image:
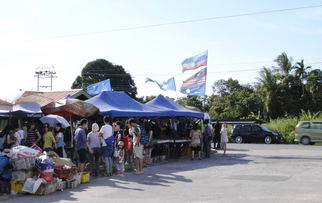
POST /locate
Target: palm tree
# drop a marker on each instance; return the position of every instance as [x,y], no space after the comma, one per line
[301,72]
[284,63]
[268,86]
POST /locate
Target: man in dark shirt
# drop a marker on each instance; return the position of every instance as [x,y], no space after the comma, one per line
[216,138]
[82,144]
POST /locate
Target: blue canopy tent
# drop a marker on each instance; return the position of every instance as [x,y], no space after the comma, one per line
[177,109]
[31,110]
[119,104]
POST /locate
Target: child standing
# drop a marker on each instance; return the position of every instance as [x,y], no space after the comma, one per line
[120,158]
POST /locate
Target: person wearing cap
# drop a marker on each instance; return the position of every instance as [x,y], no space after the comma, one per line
[120,154]
[94,142]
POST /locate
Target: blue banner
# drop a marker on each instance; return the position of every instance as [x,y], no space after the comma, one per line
[99,87]
[194,90]
[167,85]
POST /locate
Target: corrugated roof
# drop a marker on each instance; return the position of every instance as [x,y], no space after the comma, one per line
[44,98]
[2,102]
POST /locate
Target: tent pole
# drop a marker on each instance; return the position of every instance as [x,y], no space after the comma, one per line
[71,132]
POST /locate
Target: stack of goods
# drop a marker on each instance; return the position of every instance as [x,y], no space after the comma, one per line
[23,163]
[30,171]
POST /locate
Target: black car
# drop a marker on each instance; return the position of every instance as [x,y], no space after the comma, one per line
[255,133]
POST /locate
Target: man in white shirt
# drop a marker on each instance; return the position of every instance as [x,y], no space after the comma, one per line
[106,133]
[19,135]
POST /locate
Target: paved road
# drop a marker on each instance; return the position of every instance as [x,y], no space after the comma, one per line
[248,173]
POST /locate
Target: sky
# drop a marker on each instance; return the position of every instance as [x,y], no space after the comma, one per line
[56,34]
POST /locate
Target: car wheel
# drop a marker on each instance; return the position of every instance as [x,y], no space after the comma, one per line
[305,140]
[239,139]
[268,140]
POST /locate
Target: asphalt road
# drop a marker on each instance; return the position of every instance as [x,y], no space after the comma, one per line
[248,173]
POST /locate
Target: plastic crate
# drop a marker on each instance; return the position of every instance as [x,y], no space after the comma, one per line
[5,187]
[17,186]
[46,188]
[22,175]
[70,184]
[24,163]
[85,176]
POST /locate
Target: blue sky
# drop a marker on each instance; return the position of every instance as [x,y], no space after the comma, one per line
[234,44]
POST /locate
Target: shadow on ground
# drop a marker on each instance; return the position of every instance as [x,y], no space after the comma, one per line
[161,174]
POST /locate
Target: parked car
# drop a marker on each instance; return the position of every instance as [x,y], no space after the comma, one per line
[308,132]
[255,133]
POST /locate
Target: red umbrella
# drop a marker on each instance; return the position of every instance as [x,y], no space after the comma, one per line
[69,107]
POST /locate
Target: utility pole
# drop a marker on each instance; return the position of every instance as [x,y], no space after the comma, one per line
[45,73]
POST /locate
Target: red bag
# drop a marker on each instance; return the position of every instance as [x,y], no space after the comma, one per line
[47,176]
[127,143]
[63,172]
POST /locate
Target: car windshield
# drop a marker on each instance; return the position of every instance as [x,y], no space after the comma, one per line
[265,129]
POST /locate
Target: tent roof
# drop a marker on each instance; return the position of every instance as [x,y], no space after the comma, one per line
[44,98]
[178,110]
[2,102]
[23,110]
[119,104]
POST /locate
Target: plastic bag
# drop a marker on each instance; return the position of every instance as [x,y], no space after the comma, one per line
[22,151]
[4,162]
[45,164]
[6,174]
[29,185]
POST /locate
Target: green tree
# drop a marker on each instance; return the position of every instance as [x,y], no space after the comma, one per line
[101,69]
[232,100]
[145,99]
[194,101]
[225,87]
[314,86]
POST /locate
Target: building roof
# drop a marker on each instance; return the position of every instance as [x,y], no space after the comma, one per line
[44,98]
[2,102]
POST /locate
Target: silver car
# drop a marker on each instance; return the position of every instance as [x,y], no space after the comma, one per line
[308,132]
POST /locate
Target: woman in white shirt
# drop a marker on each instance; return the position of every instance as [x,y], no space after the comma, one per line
[224,137]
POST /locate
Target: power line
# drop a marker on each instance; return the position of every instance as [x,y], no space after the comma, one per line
[176,74]
[182,22]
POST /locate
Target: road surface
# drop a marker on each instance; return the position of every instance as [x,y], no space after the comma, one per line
[248,173]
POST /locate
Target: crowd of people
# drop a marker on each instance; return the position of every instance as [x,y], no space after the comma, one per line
[116,143]
[201,141]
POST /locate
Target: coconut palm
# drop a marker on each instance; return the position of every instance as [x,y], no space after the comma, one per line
[301,72]
[284,63]
[268,86]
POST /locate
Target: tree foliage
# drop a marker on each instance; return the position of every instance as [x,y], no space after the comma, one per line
[101,69]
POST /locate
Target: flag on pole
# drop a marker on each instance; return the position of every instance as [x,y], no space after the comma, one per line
[196,84]
[167,85]
[195,61]
[99,87]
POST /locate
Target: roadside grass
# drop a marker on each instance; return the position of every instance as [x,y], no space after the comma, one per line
[286,126]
